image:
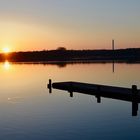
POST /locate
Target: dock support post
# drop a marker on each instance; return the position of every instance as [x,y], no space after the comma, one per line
[98,94]
[50,86]
[71,90]
[134,100]
[71,94]
[98,99]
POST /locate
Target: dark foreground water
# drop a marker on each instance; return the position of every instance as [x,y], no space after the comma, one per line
[28,111]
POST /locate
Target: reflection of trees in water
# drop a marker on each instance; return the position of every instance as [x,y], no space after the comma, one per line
[61,65]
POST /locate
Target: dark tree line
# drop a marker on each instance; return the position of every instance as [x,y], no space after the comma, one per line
[61,54]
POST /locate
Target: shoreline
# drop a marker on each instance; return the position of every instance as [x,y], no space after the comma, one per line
[131,55]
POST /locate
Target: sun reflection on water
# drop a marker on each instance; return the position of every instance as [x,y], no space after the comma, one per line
[6,65]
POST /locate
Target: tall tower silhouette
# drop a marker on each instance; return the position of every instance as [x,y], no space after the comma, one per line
[113,44]
[113,48]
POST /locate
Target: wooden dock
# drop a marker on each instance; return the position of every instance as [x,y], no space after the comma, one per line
[119,93]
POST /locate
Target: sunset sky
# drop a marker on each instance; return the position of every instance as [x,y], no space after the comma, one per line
[75,24]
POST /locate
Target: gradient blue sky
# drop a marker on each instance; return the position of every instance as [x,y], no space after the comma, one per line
[75,24]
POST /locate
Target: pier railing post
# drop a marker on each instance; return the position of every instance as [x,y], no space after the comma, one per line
[134,100]
[50,86]
[98,96]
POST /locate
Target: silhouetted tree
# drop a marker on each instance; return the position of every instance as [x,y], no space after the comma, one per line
[61,49]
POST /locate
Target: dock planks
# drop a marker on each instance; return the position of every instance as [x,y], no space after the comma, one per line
[119,93]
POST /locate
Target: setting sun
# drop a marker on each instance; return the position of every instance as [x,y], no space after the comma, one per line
[6,50]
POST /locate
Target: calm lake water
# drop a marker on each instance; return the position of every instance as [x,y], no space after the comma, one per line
[28,111]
